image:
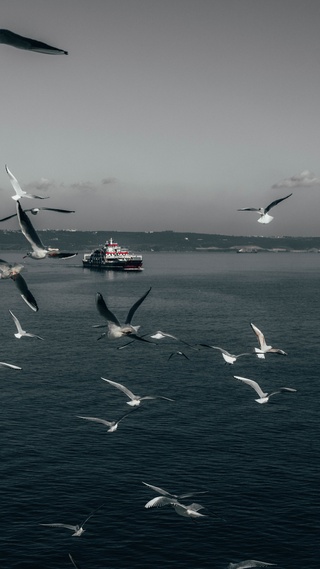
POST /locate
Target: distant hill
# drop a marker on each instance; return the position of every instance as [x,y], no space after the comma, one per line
[159,241]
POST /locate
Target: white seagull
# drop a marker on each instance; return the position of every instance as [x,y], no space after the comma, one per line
[39,250]
[264,348]
[263,211]
[20,193]
[165,496]
[115,330]
[77,529]
[263,397]
[190,511]
[248,563]
[20,332]
[113,425]
[135,400]
[35,211]
[228,358]
[9,271]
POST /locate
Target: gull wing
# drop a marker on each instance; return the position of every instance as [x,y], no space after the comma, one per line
[28,230]
[252,384]
[73,561]
[121,387]
[25,292]
[97,420]
[17,188]
[60,255]
[135,306]
[35,210]
[259,335]
[74,528]
[17,323]
[29,44]
[249,563]
[104,310]
[194,506]
[272,204]
[9,365]
[9,217]
[160,490]
[248,209]
[159,501]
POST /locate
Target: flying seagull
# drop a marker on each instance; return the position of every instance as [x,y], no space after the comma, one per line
[135,400]
[190,511]
[263,211]
[115,330]
[165,496]
[248,564]
[20,332]
[263,397]
[113,425]
[39,250]
[77,529]
[264,348]
[228,358]
[9,271]
[20,193]
[35,211]
[28,44]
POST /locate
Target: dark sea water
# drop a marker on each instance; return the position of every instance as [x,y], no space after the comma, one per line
[259,464]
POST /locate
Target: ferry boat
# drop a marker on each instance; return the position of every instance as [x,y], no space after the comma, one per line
[111,256]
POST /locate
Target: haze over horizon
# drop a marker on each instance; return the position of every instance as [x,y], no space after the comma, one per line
[165,115]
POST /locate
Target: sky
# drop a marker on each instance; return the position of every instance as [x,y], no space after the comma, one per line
[164,115]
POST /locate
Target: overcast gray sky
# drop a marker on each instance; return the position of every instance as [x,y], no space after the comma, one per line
[166,114]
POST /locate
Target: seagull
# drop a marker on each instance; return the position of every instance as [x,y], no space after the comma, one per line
[249,563]
[29,44]
[20,193]
[264,348]
[77,529]
[178,353]
[113,425]
[20,332]
[263,397]
[228,358]
[190,511]
[39,250]
[9,271]
[135,400]
[115,330]
[165,496]
[4,364]
[263,211]
[35,211]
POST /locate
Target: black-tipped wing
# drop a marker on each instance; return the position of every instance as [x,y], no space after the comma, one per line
[135,306]
[61,255]
[29,44]
[51,209]
[248,209]
[9,217]
[104,310]
[27,229]
[272,204]
[25,292]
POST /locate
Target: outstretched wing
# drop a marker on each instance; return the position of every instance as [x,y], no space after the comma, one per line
[25,292]
[272,204]
[121,387]
[158,489]
[135,306]
[252,384]
[29,44]
[248,209]
[28,230]
[104,310]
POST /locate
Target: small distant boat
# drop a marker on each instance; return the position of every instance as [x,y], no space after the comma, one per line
[111,256]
